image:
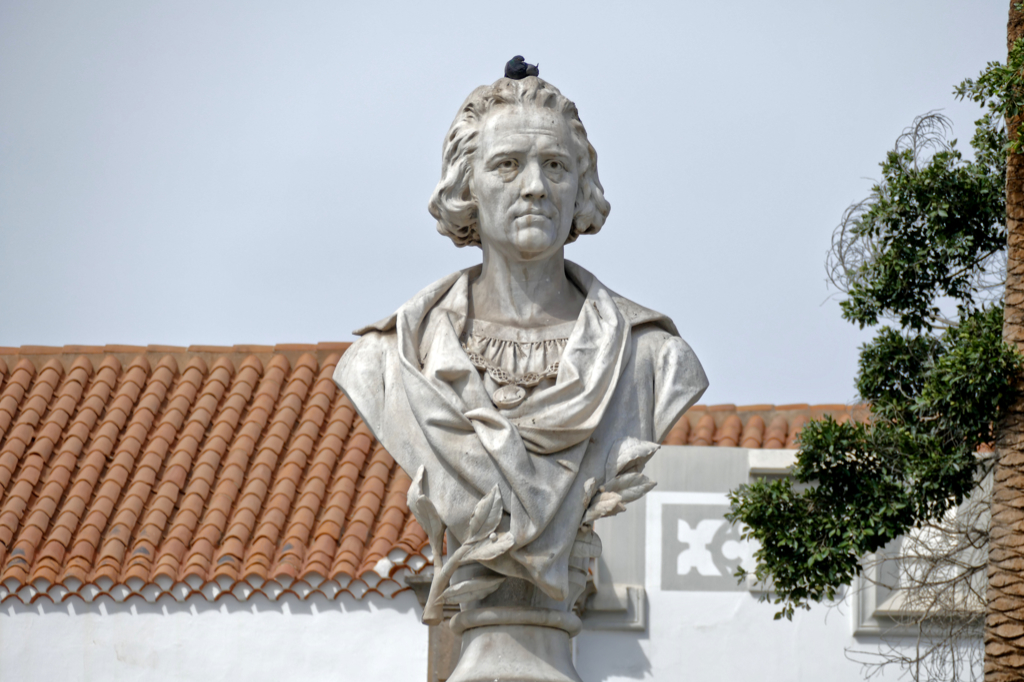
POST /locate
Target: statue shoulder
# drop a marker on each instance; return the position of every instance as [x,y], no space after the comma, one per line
[362,372]
[679,377]
[638,315]
[386,325]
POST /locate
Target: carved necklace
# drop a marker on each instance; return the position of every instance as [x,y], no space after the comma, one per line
[512,389]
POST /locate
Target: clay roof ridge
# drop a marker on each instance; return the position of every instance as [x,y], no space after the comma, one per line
[753,432]
[160,427]
[796,425]
[388,526]
[167,486]
[18,384]
[319,477]
[55,485]
[230,558]
[127,446]
[98,445]
[21,492]
[292,471]
[775,436]
[330,522]
[361,519]
[148,467]
[232,473]
[291,468]
[704,433]
[769,407]
[29,412]
[202,478]
[728,434]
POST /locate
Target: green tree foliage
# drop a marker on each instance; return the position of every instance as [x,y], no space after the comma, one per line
[930,226]
[1000,88]
[929,238]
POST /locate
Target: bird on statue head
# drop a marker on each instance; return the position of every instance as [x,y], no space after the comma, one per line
[517,68]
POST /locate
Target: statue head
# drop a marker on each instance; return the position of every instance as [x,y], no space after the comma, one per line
[453,203]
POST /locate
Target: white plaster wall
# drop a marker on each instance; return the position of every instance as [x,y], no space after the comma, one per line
[726,637]
[316,639]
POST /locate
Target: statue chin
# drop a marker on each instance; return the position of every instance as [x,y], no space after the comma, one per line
[536,239]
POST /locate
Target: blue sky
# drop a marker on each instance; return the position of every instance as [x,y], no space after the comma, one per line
[245,172]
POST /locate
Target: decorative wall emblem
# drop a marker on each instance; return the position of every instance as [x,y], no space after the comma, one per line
[691,546]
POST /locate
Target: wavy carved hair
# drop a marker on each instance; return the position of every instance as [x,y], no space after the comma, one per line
[452,203]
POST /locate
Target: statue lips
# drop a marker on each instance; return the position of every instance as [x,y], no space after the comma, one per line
[531,220]
[533,217]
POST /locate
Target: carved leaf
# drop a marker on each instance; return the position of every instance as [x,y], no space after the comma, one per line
[605,504]
[425,512]
[630,486]
[623,482]
[633,454]
[486,516]
[471,590]
[490,549]
[636,492]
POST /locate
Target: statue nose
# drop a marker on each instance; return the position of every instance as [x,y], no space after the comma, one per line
[533,186]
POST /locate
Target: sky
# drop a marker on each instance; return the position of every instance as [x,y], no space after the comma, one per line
[258,172]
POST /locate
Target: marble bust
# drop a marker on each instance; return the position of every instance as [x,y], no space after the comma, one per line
[522,395]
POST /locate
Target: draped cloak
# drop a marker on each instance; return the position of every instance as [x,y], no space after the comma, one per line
[624,373]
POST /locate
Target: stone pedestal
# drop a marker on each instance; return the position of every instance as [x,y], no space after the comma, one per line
[515,644]
[443,645]
[518,633]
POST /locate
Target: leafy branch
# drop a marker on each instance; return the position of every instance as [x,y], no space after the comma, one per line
[484,543]
[1000,87]
[932,232]
[625,482]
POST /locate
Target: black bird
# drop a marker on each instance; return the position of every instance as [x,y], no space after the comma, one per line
[517,68]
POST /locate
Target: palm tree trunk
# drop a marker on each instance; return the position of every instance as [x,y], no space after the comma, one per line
[1004,622]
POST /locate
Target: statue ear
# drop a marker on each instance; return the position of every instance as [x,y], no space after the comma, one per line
[579,211]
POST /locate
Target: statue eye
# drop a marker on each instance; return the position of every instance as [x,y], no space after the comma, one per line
[557,166]
[508,165]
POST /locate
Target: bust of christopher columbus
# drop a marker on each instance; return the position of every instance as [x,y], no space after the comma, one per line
[521,395]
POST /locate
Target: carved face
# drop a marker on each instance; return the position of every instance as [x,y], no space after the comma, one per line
[524,180]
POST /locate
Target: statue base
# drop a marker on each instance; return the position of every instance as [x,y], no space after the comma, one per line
[517,633]
[515,644]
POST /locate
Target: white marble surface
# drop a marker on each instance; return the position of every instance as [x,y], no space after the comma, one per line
[512,464]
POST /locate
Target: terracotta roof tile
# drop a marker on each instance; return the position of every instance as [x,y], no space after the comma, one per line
[775,438]
[214,470]
[796,424]
[728,434]
[679,434]
[753,432]
[704,433]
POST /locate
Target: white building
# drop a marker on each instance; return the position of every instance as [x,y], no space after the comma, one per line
[221,513]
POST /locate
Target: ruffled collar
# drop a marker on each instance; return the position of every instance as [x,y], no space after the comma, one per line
[551,418]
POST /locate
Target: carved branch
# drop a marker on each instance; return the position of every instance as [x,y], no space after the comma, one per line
[484,543]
